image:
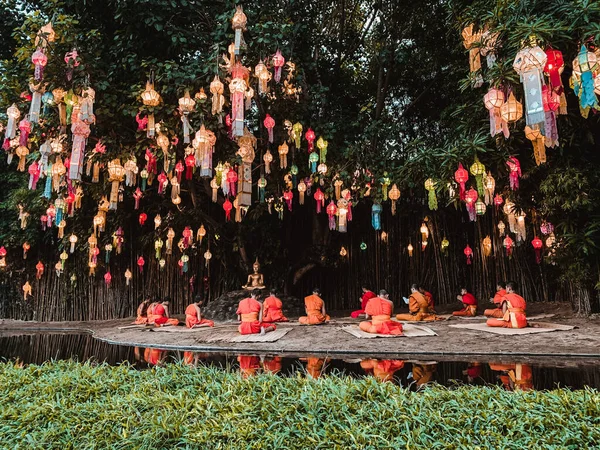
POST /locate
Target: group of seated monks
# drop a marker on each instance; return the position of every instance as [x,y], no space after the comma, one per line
[260,318]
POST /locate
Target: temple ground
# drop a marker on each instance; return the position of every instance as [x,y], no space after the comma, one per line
[579,345]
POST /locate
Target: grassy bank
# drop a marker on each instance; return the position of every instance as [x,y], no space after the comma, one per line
[68,405]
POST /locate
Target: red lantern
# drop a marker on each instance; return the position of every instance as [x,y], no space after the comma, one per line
[269,124]
[107,279]
[515,172]
[469,254]
[142,218]
[537,246]
[471,197]
[162,182]
[320,199]
[179,170]
[554,67]
[310,138]
[550,99]
[3,252]
[151,162]
[461,176]
[232,179]
[498,200]
[227,208]
[140,263]
[190,162]
[508,245]
[39,267]
[288,196]
[331,211]
[187,236]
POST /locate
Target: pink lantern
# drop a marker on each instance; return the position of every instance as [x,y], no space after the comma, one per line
[498,200]
[142,218]
[107,279]
[40,60]
[515,172]
[232,179]
[468,251]
[179,170]
[25,129]
[310,138]
[39,268]
[537,247]
[227,206]
[331,211]
[187,236]
[278,63]
[34,175]
[508,245]
[162,182]
[288,196]
[140,263]
[546,228]
[269,123]
[320,199]
[190,162]
[461,176]
[471,197]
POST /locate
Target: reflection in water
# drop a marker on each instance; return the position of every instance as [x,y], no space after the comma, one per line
[38,348]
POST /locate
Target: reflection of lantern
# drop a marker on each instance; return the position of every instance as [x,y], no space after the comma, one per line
[487,246]
[26,290]
[319,199]
[394,195]
[331,212]
[432,199]
[107,279]
[410,249]
[512,110]
[461,176]
[468,251]
[158,245]
[537,246]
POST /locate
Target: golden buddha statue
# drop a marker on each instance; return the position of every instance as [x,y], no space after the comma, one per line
[255,279]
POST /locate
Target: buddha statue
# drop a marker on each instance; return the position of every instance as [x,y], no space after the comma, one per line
[255,279]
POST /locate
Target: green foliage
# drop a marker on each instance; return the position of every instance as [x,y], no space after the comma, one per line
[86,406]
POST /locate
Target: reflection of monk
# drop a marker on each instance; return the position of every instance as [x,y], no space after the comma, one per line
[248,365]
[154,356]
[314,366]
[514,376]
[418,307]
[315,309]
[383,369]
[255,279]
[473,371]
[422,373]
[272,364]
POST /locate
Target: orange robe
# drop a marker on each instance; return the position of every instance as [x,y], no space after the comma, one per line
[380,311]
[364,299]
[314,366]
[419,310]
[142,317]
[249,309]
[272,365]
[151,314]
[429,299]
[192,319]
[314,306]
[423,373]
[520,375]
[383,369]
[515,314]
[497,311]
[154,356]
[248,364]
[272,310]
[470,306]
[161,320]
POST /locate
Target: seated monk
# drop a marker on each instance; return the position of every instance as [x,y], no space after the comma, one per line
[380,310]
[193,315]
[162,311]
[429,297]
[513,309]
[151,314]
[469,304]
[364,299]
[382,369]
[272,309]
[250,315]
[497,300]
[315,309]
[418,308]
[142,313]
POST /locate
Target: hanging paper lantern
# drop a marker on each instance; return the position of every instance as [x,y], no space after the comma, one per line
[238,23]
[73,240]
[487,246]
[186,106]
[262,184]
[227,206]
[288,196]
[107,279]
[424,231]
[551,240]
[515,172]
[140,263]
[493,101]
[107,249]
[508,245]
[471,41]
[489,186]
[394,195]
[471,197]
[480,208]
[554,67]
[301,191]
[128,276]
[537,139]
[478,171]
[582,79]
[232,179]
[296,134]
[537,246]
[322,145]
[319,199]
[461,176]
[331,212]
[157,221]
[39,268]
[283,151]
[546,228]
[410,249]
[343,251]
[278,63]
[149,98]
[268,159]
[498,200]
[551,101]
[342,212]
[142,218]
[511,110]
[322,170]
[26,247]
[444,245]
[310,138]
[40,60]
[269,124]
[529,63]
[158,245]
[207,256]
[218,99]
[376,216]
[468,251]
[430,186]
[313,159]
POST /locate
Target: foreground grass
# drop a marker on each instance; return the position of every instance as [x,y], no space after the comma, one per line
[69,405]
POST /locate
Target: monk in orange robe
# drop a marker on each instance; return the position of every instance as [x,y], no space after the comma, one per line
[150,314]
[383,369]
[497,300]
[249,364]
[250,315]
[142,313]
[193,315]
[315,309]
[513,308]
[272,364]
[469,304]
[418,308]
[429,297]
[162,311]
[272,309]
[364,299]
[514,376]
[380,310]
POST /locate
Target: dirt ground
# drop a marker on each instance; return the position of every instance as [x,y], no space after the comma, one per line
[580,344]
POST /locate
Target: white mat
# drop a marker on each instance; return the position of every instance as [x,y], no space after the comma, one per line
[271,336]
[534,317]
[408,330]
[538,327]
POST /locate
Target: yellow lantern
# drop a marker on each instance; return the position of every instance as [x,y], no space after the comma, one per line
[283,151]
[394,195]
[410,249]
[201,95]
[487,246]
[116,174]
[444,245]
[424,231]
[343,252]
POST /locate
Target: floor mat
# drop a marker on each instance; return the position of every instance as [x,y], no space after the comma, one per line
[534,317]
[172,329]
[407,331]
[271,336]
[537,327]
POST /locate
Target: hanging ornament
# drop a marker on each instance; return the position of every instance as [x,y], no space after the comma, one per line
[489,186]
[200,234]
[140,263]
[10,132]
[207,256]
[553,68]
[186,106]
[508,245]
[331,212]
[107,250]
[142,218]
[521,231]
[204,143]
[39,268]
[157,221]
[107,279]
[278,63]
[39,60]
[319,199]
[410,249]
[343,251]
[487,246]
[322,146]
[238,209]
[468,251]
[461,176]
[529,63]
[511,110]
[310,138]
[537,246]
[237,88]
[444,246]
[218,99]
[158,245]
[342,211]
[150,98]
[471,197]
[493,101]
[478,171]
[301,191]
[514,167]
[214,186]
[288,196]
[163,181]
[584,66]
[269,124]
[394,195]
[430,186]
[480,207]
[472,41]
[546,228]
[26,247]
[72,61]
[116,174]
[296,134]
[73,240]
[551,102]
[376,216]
[537,139]
[498,200]
[227,206]
[128,276]
[294,174]
[238,23]
[268,159]
[283,151]
[551,240]
[509,210]
[170,236]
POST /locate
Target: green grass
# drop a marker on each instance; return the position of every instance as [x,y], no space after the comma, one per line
[69,405]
